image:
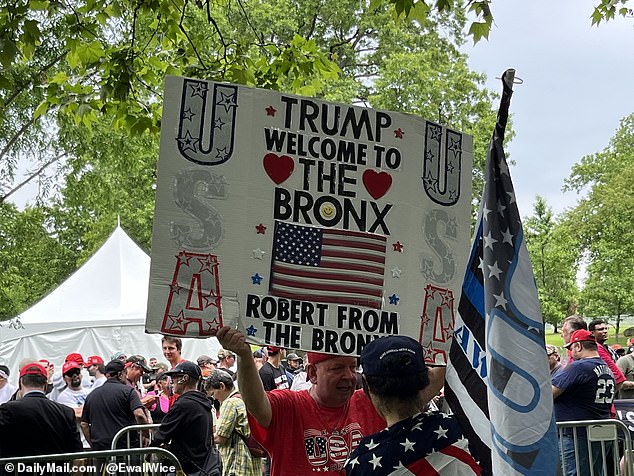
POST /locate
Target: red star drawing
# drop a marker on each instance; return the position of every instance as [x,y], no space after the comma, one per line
[428,351]
[448,331]
[398,246]
[399,133]
[261,229]
[270,111]
[207,264]
[429,291]
[425,318]
[183,258]
[447,299]
[178,321]
[211,300]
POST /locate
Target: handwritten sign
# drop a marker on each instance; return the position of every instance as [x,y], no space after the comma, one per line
[307,224]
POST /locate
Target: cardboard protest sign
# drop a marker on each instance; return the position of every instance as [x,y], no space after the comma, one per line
[305,223]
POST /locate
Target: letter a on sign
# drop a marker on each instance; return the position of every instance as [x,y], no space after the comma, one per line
[194,295]
[437,322]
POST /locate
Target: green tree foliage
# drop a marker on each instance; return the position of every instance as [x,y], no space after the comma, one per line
[110,177]
[109,57]
[609,9]
[31,259]
[89,90]
[603,220]
[553,255]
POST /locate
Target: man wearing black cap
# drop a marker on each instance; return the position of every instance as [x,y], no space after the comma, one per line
[395,377]
[35,425]
[111,407]
[186,429]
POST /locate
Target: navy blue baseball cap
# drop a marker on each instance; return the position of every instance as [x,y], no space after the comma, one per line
[186,367]
[376,353]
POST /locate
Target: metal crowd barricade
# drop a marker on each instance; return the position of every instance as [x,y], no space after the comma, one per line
[69,463]
[608,443]
[127,432]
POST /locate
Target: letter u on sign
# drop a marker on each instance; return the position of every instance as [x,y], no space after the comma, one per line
[442,186]
[203,138]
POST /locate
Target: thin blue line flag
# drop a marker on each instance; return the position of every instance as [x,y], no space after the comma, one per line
[498,380]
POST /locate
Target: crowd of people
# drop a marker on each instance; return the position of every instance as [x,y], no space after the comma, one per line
[277,414]
[267,412]
[592,375]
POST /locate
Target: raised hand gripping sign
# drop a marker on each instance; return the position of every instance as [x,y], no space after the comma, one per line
[307,224]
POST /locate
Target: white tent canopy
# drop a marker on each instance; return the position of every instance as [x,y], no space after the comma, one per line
[98,310]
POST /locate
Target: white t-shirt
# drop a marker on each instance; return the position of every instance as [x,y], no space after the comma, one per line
[7,392]
[59,385]
[75,399]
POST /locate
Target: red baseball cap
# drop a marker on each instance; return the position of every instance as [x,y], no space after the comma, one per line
[75,357]
[316,357]
[70,365]
[271,349]
[580,335]
[94,360]
[33,369]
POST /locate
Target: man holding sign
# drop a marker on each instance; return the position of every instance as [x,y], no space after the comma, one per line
[313,226]
[325,423]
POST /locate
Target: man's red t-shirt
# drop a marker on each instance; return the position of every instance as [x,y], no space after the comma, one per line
[305,438]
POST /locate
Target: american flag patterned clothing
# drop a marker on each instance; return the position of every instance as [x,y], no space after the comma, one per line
[306,439]
[422,445]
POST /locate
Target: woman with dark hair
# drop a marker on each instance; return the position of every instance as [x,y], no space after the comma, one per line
[164,401]
[232,427]
[395,377]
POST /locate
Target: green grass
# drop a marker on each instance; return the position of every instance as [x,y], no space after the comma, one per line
[556,339]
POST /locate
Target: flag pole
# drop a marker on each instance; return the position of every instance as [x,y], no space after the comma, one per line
[508,79]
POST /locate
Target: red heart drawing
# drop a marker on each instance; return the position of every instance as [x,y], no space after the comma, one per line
[377,183]
[278,167]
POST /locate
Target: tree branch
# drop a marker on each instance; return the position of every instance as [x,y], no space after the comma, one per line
[16,136]
[31,177]
[191,43]
[17,91]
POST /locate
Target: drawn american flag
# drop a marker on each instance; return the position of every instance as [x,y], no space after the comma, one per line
[327,265]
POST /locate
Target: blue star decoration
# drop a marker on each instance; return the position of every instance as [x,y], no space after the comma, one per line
[251,330]
[394,299]
[256,278]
